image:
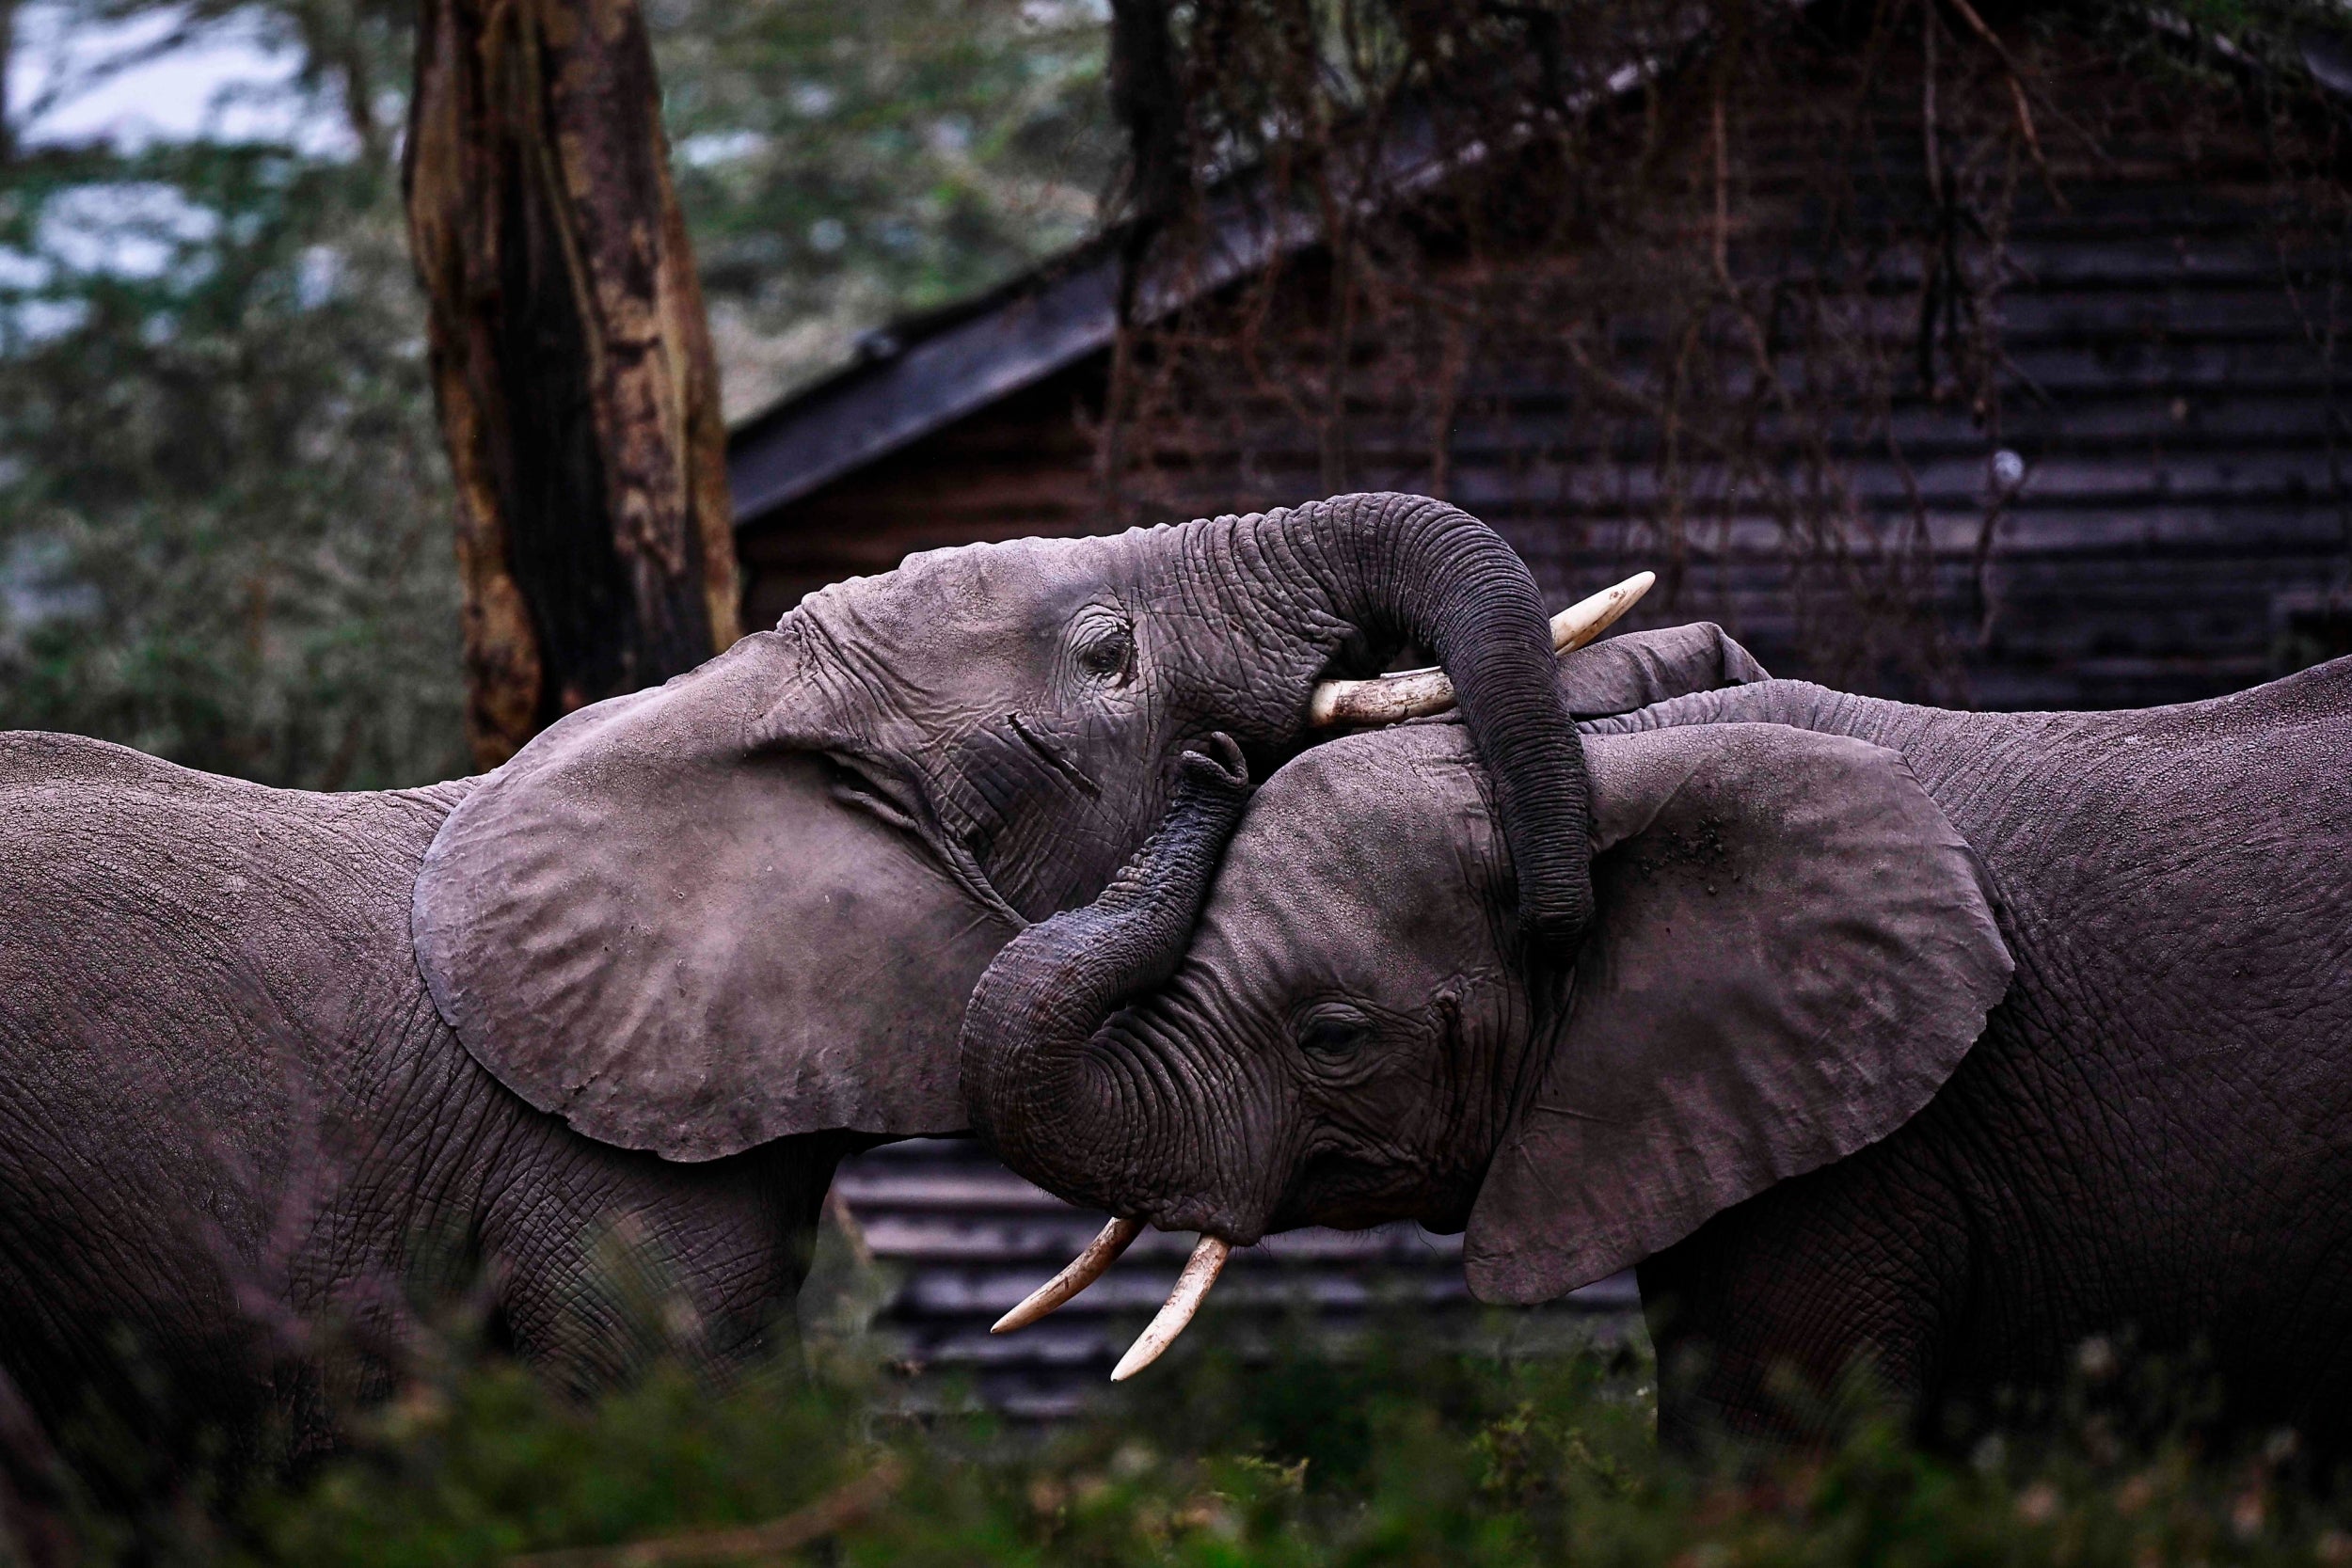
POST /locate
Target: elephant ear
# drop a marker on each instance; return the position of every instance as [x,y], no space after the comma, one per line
[1794,949]
[675,935]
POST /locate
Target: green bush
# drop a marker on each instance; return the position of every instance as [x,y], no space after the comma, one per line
[1393,1453]
[493,1461]
[224,533]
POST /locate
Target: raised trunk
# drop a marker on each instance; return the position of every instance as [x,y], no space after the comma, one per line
[1036,1091]
[570,360]
[1409,567]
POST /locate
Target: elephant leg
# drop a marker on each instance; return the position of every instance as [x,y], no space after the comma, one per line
[642,1259]
[1770,1318]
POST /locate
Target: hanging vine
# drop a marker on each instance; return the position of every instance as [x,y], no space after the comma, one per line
[1671,283]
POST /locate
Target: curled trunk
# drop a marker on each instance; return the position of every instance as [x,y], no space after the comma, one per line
[1406,567]
[1039,1078]
[1035,1090]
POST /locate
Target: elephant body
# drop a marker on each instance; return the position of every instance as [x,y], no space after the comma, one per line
[1940,1042]
[2151,1138]
[236,1122]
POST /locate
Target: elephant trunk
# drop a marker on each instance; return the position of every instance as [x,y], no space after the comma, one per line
[1040,1095]
[1405,566]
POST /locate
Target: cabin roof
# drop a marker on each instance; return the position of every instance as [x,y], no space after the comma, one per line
[916,375]
[923,372]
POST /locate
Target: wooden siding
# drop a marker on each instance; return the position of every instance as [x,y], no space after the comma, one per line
[2174,383]
[969,1239]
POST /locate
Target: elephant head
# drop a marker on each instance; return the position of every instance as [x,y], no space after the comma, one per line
[753,902]
[1792,950]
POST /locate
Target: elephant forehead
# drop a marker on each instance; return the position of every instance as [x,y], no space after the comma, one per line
[961,600]
[1369,850]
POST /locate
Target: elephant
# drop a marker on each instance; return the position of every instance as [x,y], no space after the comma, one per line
[1919,1045]
[612,1012]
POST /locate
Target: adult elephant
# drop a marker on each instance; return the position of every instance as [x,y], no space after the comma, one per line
[626,1000]
[1794,1077]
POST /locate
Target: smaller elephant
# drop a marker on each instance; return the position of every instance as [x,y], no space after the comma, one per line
[1931,1041]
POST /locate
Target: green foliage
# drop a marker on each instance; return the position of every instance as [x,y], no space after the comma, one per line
[223,516]
[1400,1454]
[350,57]
[846,161]
[475,1467]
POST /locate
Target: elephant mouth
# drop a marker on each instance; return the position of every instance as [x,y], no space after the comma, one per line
[1054,754]
[881,793]
[896,796]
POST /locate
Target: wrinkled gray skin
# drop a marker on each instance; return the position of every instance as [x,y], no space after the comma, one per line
[610,1014]
[234,1108]
[1796,1078]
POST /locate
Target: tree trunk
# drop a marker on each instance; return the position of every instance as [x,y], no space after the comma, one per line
[570,360]
[8,54]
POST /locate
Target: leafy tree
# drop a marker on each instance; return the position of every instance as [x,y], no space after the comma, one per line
[224,516]
[844,163]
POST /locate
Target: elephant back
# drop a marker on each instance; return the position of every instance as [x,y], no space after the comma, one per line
[193,921]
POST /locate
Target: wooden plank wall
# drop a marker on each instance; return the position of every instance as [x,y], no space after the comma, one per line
[2175,381]
[968,1240]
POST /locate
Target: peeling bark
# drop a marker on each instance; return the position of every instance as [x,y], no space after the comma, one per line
[570,358]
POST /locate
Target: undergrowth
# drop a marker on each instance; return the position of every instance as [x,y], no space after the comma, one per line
[1398,1452]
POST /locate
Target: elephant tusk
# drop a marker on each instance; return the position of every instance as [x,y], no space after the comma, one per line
[1081,1271]
[1192,1287]
[1589,617]
[1416,694]
[1382,700]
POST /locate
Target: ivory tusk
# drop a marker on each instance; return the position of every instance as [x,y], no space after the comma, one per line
[1192,1287]
[1416,694]
[1589,617]
[1079,1273]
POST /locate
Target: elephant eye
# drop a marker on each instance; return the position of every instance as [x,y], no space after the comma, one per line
[1104,648]
[1332,1034]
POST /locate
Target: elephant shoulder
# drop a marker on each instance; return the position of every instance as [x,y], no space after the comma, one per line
[37,761]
